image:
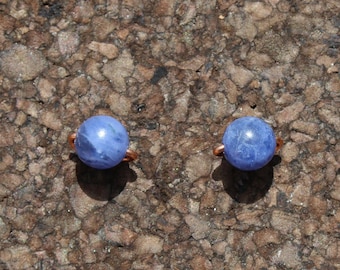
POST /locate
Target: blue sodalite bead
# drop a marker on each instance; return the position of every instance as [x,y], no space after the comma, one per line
[101,142]
[249,143]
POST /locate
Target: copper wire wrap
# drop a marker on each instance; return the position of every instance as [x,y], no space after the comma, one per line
[130,155]
[279,143]
[218,151]
[71,139]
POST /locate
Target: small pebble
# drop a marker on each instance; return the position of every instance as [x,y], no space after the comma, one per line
[22,63]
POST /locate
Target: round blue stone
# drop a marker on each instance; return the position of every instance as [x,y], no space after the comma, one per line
[249,143]
[101,142]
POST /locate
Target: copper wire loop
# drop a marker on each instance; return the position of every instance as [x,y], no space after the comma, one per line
[279,143]
[130,155]
[218,151]
[71,139]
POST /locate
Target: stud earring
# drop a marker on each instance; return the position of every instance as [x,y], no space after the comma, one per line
[101,142]
[248,143]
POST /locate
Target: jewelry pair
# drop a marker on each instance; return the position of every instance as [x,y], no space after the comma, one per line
[101,142]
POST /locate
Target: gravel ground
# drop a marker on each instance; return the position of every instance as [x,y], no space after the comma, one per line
[175,73]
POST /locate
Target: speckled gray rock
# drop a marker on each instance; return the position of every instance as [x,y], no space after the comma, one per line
[199,227]
[118,70]
[81,203]
[148,244]
[68,42]
[288,255]
[22,63]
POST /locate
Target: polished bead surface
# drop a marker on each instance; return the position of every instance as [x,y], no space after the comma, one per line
[249,143]
[101,142]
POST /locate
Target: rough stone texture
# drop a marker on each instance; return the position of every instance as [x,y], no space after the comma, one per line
[290,113]
[148,244]
[120,235]
[288,256]
[22,63]
[118,70]
[68,42]
[175,73]
[199,228]
[106,49]
[81,203]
